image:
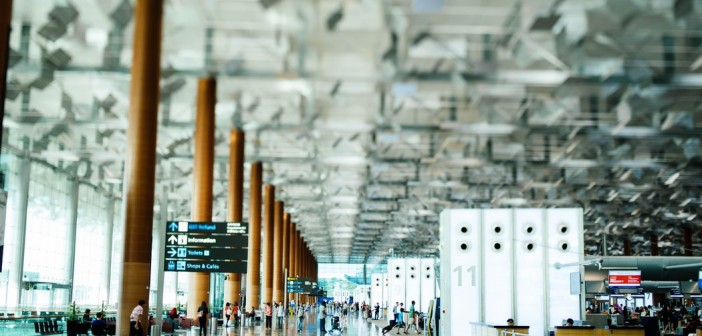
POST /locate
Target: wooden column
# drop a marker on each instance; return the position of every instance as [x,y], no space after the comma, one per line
[687,241]
[304,260]
[289,254]
[627,246]
[278,281]
[253,271]
[296,246]
[5,27]
[286,243]
[141,161]
[268,213]
[203,178]
[654,244]
[235,204]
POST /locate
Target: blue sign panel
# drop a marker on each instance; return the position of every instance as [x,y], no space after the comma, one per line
[206,247]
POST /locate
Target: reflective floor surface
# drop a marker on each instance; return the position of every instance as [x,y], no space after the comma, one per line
[354,326]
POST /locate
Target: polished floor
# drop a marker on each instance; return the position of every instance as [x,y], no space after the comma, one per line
[354,326]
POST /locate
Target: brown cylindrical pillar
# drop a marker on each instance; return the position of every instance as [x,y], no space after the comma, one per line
[627,246]
[203,178]
[253,271]
[268,214]
[687,240]
[295,245]
[278,281]
[290,255]
[654,244]
[304,260]
[235,204]
[286,243]
[141,161]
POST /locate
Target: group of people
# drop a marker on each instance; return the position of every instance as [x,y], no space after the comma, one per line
[398,314]
[98,325]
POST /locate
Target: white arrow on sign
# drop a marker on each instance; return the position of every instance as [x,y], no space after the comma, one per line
[172,239]
[172,252]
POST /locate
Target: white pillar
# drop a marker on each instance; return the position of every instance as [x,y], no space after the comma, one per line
[71,235]
[14,298]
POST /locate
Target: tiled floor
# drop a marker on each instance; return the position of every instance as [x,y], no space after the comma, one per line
[355,326]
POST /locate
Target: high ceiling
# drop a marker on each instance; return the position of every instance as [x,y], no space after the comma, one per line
[371,116]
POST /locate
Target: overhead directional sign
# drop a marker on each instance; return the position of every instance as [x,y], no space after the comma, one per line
[301,285]
[206,247]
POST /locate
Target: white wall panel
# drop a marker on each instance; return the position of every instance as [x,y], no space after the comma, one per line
[386,290]
[376,289]
[396,272]
[497,265]
[565,238]
[413,284]
[529,249]
[501,263]
[428,281]
[460,264]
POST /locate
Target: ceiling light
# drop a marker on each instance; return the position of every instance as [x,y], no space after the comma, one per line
[345,160]
[672,179]
[480,128]
[343,199]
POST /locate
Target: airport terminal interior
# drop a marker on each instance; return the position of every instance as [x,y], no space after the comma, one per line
[537,161]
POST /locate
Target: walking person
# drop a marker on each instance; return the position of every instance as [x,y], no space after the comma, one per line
[227,313]
[400,317]
[269,315]
[235,313]
[322,315]
[135,328]
[300,317]
[202,313]
[279,313]
[412,319]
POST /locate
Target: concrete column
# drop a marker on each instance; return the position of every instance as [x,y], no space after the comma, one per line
[278,281]
[253,271]
[5,27]
[141,160]
[268,213]
[203,178]
[14,290]
[71,234]
[109,232]
[687,241]
[235,204]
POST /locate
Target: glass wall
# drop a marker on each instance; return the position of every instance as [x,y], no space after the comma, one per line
[342,281]
[89,284]
[45,279]
[9,291]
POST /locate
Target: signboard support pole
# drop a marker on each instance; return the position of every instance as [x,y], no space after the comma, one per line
[160,263]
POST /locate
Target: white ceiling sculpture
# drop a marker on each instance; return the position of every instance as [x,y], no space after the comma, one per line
[371,116]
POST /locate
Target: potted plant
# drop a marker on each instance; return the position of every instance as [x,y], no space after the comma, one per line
[72,319]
